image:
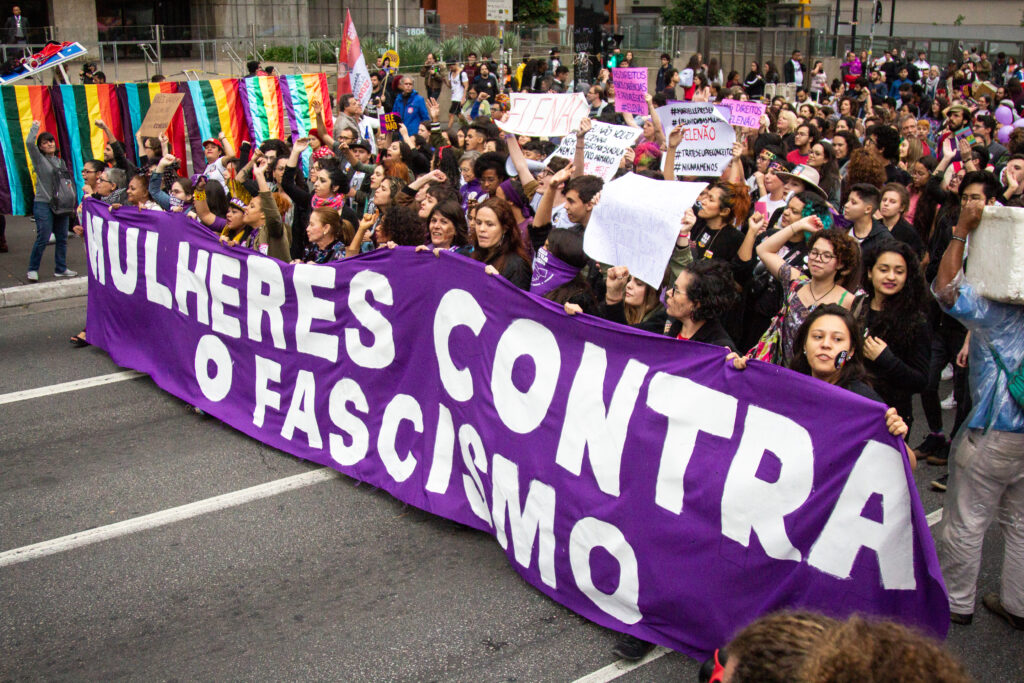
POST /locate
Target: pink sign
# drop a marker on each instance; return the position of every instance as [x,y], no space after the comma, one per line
[630,90]
[745,114]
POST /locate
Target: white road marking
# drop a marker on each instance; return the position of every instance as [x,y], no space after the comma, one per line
[164,517]
[935,517]
[65,387]
[621,667]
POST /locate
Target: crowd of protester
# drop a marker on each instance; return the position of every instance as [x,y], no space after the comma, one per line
[832,244]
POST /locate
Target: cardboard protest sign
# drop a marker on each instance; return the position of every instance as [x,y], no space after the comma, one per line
[162,109]
[389,122]
[706,148]
[636,223]
[543,115]
[630,90]
[745,114]
[603,148]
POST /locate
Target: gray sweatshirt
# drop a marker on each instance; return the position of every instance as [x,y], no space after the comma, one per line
[46,167]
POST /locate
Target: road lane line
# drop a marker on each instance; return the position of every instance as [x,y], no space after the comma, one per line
[164,517]
[622,667]
[65,387]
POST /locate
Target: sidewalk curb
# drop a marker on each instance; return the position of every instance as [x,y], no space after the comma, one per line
[46,291]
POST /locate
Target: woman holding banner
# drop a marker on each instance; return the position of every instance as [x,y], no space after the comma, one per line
[498,243]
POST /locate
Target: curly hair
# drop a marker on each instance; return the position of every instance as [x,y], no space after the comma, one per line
[861,649]
[847,252]
[712,289]
[511,237]
[902,312]
[773,648]
[863,167]
[404,227]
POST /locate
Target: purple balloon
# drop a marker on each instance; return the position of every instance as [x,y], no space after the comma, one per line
[1004,115]
[1019,123]
[1004,134]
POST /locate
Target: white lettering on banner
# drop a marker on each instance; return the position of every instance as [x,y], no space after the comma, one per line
[544,114]
[194,281]
[381,352]
[156,291]
[305,277]
[444,445]
[753,504]
[348,392]
[124,280]
[402,408]
[590,426]
[267,371]
[94,227]
[603,148]
[624,602]
[523,411]
[879,471]
[221,293]
[535,518]
[212,350]
[636,224]
[475,460]
[706,148]
[691,408]
[264,273]
[302,411]
[457,308]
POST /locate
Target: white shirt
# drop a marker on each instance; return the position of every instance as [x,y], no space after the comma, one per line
[458,84]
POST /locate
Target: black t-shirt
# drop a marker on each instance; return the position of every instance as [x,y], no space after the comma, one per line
[720,245]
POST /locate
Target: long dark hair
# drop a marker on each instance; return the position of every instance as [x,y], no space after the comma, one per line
[567,245]
[511,238]
[853,369]
[903,312]
[933,199]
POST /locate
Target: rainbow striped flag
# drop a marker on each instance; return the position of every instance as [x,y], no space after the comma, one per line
[79,107]
[298,91]
[135,99]
[263,106]
[210,108]
[22,104]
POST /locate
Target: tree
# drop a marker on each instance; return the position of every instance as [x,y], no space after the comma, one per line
[720,13]
[534,12]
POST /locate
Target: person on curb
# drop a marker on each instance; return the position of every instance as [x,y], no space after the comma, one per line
[42,150]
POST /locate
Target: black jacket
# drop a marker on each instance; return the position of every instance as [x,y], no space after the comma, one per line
[10,28]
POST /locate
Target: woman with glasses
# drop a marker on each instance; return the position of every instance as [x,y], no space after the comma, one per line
[702,294]
[833,262]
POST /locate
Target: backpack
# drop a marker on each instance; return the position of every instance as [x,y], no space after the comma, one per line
[1014,380]
[64,197]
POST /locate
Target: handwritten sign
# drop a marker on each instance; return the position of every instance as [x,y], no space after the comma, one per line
[745,114]
[636,223]
[389,122]
[543,115]
[706,148]
[603,148]
[162,109]
[630,89]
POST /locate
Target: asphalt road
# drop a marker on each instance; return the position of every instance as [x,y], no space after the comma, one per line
[331,581]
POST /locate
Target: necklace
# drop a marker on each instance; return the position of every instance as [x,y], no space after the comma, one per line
[816,299]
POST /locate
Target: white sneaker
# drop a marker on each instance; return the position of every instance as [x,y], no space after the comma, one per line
[947,372]
[33,276]
[949,402]
[53,239]
[66,273]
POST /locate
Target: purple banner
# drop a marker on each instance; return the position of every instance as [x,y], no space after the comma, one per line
[630,89]
[636,479]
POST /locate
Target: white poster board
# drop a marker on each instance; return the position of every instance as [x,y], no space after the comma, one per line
[706,148]
[636,223]
[603,148]
[544,115]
